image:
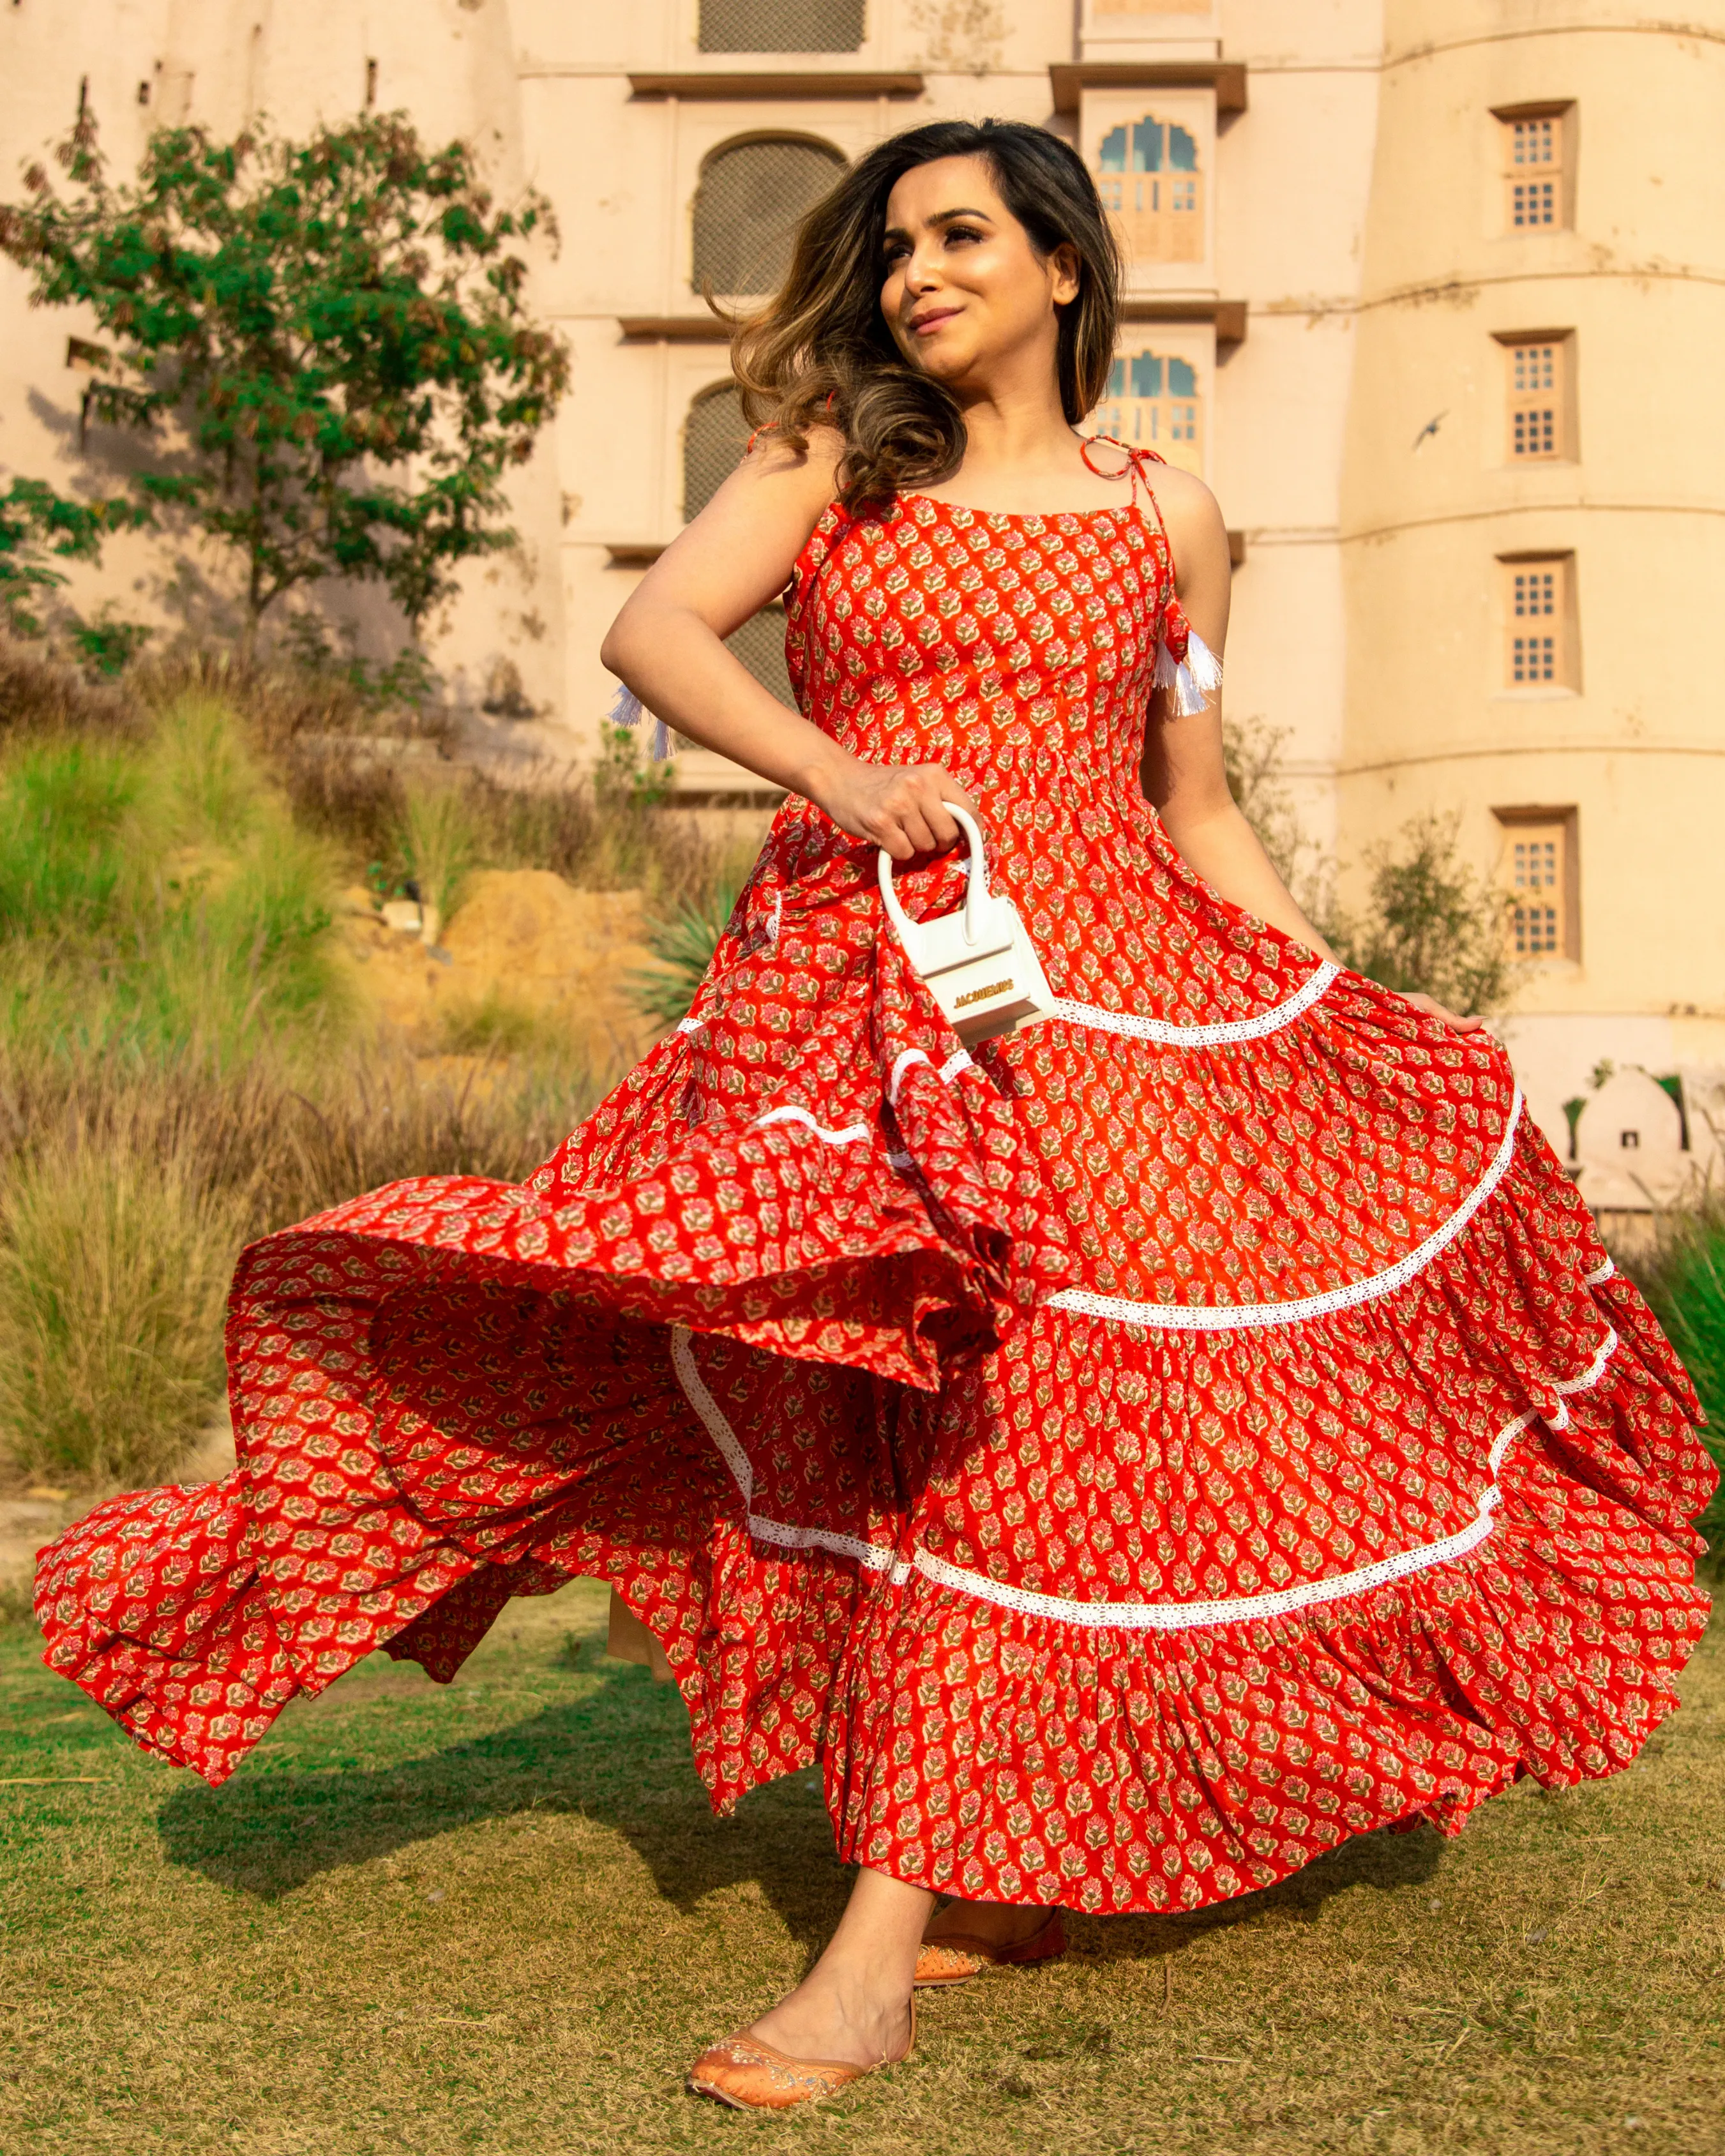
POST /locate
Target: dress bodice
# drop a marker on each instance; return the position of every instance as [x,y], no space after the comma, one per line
[982,637]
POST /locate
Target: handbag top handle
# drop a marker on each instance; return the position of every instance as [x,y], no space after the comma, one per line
[976,884]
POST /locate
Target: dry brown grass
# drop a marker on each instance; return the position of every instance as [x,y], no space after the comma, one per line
[114,1267]
[499,1918]
[127,1189]
[182,1060]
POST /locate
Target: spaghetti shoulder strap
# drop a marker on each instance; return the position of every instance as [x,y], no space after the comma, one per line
[1185,664]
[1141,478]
[1134,474]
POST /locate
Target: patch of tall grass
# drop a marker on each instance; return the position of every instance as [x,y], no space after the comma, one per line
[114,1265]
[440,841]
[181,1064]
[1684,1280]
[494,1024]
[128,1187]
[157,896]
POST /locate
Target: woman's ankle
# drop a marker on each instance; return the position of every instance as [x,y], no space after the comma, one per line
[988,1920]
[839,2014]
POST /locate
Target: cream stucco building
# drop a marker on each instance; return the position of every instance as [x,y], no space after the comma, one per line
[1425,289]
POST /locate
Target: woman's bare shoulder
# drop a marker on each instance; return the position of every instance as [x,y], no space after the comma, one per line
[813,467]
[1192,513]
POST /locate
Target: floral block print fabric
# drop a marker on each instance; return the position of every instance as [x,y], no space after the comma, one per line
[1128,1458]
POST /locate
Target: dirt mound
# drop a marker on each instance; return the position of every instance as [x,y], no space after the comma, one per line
[527,961]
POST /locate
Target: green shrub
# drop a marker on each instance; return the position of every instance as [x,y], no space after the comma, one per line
[157,896]
[1684,1281]
[491,1024]
[1430,923]
[684,946]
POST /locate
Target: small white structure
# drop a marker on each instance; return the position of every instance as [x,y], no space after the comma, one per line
[1630,1145]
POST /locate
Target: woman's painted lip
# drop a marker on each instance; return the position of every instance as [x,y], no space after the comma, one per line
[922,324]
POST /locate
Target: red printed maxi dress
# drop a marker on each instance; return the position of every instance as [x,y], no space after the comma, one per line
[1129,1458]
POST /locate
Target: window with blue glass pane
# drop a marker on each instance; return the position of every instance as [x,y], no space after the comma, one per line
[1147,175]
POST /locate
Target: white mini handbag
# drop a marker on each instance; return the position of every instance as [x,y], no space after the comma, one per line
[978,962]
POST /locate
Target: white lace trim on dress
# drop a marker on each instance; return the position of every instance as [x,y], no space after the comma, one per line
[945,1072]
[794,1114]
[1122,1616]
[776,1531]
[1198,1036]
[1599,1275]
[1254,1609]
[1221,1317]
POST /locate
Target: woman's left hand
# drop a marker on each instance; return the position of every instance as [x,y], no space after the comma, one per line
[1429,1007]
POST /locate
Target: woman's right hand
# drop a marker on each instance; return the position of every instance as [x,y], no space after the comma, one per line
[894,805]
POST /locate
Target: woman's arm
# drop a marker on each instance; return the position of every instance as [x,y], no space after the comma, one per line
[668,645]
[1183,773]
[1185,776]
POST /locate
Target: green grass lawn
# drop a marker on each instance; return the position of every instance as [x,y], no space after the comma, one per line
[499,1917]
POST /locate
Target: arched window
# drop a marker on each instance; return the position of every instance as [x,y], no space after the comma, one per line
[781,26]
[747,208]
[1149,177]
[1153,402]
[714,439]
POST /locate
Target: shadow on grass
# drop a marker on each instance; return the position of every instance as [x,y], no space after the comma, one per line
[1385,1862]
[619,1756]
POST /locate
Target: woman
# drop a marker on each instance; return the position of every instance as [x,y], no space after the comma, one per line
[1130,1457]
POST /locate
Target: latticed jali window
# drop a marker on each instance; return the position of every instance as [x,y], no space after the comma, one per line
[714,439]
[747,209]
[1539,875]
[1536,870]
[1538,595]
[781,26]
[1537,432]
[1533,151]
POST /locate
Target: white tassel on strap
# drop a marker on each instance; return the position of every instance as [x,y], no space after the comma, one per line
[1194,679]
[627,709]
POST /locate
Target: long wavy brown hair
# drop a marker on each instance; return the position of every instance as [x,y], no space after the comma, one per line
[820,352]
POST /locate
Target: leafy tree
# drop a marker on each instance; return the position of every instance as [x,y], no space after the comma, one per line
[1430,922]
[337,327]
[1252,761]
[35,522]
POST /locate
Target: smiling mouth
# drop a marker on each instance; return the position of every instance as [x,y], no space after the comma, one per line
[922,324]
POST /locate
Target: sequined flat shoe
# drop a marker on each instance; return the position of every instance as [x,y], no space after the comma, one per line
[958,1956]
[750,2076]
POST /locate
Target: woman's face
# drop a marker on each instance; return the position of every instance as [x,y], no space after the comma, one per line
[962,287]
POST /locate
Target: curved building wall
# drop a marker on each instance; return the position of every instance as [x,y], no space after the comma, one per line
[1618,759]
